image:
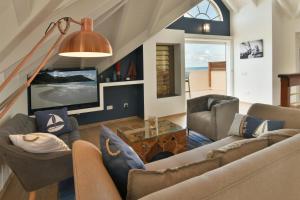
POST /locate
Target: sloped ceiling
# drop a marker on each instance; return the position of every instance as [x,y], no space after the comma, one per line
[126,24]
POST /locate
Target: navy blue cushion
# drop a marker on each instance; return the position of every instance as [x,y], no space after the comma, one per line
[118,165]
[249,126]
[55,121]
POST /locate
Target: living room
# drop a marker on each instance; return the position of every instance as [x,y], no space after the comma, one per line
[163,133]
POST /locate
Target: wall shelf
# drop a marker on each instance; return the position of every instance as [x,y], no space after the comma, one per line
[101,95]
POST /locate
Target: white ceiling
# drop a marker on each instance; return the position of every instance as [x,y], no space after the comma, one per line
[126,24]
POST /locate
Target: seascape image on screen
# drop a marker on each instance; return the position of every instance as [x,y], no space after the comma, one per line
[64,88]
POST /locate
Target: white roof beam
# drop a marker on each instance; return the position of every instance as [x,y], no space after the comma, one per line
[23,9]
[155,16]
[231,5]
[286,8]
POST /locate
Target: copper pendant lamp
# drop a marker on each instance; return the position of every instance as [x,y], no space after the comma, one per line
[85,43]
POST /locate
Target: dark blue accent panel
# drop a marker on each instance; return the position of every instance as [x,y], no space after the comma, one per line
[136,57]
[117,96]
[191,25]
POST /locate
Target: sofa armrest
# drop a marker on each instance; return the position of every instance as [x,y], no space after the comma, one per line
[197,104]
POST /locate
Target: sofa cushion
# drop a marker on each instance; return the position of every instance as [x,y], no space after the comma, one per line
[188,157]
[279,135]
[118,158]
[144,182]
[202,120]
[248,126]
[54,121]
[238,149]
[39,143]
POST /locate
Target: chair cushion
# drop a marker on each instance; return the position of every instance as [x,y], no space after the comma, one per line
[249,126]
[39,143]
[200,121]
[53,121]
[118,158]
[144,182]
[238,149]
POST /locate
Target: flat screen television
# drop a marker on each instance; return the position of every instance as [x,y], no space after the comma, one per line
[71,88]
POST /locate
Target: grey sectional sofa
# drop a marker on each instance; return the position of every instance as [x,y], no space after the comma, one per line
[268,171]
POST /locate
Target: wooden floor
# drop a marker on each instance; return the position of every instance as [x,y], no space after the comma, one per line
[89,133]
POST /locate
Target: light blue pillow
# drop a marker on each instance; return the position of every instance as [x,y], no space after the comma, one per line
[54,121]
[118,158]
[248,126]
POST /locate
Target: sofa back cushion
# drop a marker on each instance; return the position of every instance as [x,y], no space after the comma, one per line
[144,182]
[290,116]
[279,135]
[238,149]
[248,126]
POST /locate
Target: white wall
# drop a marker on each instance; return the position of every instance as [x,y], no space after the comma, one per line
[284,48]
[253,77]
[162,106]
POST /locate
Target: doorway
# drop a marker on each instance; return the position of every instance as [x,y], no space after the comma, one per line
[207,67]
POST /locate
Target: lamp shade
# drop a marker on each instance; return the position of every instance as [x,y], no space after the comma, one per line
[85,43]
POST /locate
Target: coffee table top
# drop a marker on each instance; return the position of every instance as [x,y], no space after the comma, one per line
[144,133]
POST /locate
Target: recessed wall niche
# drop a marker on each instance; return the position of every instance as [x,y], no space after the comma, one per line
[168,70]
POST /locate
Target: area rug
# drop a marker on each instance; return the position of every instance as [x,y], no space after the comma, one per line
[66,188]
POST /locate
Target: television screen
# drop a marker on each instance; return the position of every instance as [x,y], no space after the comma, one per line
[74,89]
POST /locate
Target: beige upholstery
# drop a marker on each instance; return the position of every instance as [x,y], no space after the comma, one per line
[195,155]
[92,181]
[238,149]
[279,135]
[290,116]
[269,174]
[143,182]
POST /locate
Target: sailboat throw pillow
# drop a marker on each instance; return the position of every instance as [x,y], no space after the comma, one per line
[53,121]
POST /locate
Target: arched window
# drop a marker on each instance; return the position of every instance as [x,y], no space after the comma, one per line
[207,10]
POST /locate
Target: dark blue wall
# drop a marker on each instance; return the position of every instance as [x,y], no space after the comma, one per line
[136,57]
[117,96]
[191,25]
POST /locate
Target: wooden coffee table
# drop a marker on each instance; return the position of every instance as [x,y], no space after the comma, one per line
[168,137]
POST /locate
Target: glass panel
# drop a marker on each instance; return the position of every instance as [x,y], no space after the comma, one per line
[212,12]
[203,6]
[207,10]
[197,55]
[143,133]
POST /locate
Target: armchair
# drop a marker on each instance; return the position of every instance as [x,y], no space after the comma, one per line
[213,123]
[35,170]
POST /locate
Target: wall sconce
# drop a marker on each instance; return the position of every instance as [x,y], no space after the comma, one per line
[206,28]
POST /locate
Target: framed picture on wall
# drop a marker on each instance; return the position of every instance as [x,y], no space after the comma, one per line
[252,49]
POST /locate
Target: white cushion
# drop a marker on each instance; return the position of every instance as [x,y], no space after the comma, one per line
[39,143]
